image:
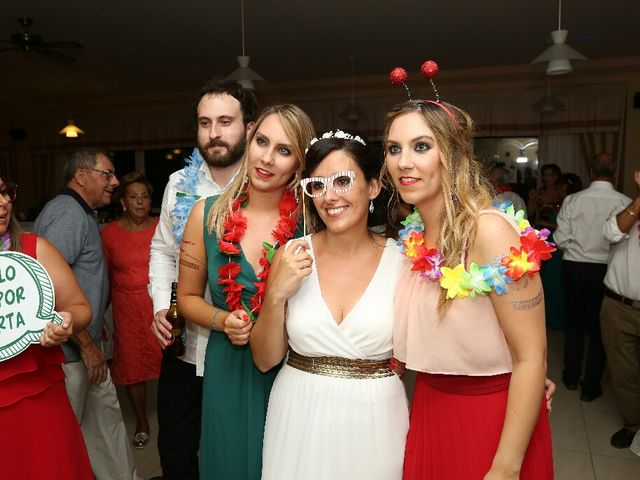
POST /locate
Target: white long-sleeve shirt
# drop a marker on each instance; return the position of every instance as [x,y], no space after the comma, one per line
[623,272]
[580,222]
[165,253]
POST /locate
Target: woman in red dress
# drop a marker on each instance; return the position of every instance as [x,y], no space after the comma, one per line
[39,434]
[127,242]
[469,308]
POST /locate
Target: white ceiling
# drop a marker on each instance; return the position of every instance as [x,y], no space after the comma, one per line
[135,46]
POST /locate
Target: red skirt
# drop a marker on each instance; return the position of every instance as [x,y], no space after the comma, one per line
[455,427]
[40,438]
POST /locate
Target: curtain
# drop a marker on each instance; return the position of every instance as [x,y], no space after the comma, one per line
[7,165]
[565,151]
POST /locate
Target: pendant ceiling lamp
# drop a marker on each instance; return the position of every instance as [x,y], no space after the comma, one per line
[548,103]
[71,130]
[352,113]
[244,75]
[559,55]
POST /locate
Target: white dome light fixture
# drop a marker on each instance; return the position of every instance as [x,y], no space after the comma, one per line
[244,75]
[559,55]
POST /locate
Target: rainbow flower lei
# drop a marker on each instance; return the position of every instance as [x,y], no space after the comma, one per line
[479,279]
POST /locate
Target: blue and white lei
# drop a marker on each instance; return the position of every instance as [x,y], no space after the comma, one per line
[186,196]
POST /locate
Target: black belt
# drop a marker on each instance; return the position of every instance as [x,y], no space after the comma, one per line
[627,301]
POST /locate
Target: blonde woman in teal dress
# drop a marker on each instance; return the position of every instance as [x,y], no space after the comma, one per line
[229,242]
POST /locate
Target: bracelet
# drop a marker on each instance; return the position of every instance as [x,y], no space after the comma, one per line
[213,323]
[633,214]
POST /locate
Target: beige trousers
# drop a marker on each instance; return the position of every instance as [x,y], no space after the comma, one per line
[620,326]
[98,412]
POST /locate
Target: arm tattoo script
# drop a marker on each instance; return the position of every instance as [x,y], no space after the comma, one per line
[187,264]
[530,303]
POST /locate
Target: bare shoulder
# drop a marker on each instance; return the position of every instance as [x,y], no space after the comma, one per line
[44,248]
[197,212]
[496,234]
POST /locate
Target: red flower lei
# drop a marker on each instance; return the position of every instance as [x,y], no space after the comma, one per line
[235,226]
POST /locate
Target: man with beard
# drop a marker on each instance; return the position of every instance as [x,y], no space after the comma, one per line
[225,115]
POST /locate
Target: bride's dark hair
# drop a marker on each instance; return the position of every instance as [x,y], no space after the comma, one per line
[367,162]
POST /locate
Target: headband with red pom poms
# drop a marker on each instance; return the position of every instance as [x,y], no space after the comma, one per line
[429,70]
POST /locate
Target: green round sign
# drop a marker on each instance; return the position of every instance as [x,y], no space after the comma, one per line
[27,300]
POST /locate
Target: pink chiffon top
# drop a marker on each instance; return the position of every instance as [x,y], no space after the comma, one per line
[467,341]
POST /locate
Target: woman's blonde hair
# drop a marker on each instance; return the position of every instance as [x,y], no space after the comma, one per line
[465,188]
[299,129]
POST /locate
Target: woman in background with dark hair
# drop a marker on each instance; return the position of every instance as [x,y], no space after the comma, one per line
[571,183]
[336,410]
[544,205]
[39,434]
[127,242]
[545,201]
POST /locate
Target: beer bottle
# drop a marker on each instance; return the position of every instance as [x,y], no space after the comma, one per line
[176,347]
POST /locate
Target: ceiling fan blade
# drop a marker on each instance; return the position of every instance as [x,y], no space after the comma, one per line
[56,55]
[62,45]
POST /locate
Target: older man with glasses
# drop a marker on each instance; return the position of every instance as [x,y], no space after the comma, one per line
[68,221]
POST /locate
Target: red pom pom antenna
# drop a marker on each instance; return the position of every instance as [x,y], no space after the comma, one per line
[398,76]
[429,69]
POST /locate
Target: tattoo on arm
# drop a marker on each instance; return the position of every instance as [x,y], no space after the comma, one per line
[187,264]
[195,259]
[530,303]
[188,255]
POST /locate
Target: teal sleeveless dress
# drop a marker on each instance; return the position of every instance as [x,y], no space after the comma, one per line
[235,392]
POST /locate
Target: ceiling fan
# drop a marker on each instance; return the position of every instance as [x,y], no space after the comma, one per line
[28,42]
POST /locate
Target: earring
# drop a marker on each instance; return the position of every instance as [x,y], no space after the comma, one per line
[371,207]
[245,180]
[296,195]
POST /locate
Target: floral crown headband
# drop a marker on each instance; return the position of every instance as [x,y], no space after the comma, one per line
[337,134]
[429,70]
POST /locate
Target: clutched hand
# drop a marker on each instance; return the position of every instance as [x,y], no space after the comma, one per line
[95,362]
[295,264]
[549,389]
[55,334]
[161,328]
[237,326]
[397,367]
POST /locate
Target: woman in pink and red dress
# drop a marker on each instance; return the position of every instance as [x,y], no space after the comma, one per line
[127,242]
[469,309]
[39,434]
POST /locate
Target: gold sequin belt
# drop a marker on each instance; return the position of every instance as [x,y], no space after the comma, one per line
[340,367]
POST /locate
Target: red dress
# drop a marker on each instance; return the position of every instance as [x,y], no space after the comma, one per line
[39,434]
[455,428]
[136,353]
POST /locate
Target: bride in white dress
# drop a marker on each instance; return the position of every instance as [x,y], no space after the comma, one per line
[336,410]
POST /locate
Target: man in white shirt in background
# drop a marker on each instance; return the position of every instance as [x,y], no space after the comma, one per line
[620,313]
[584,266]
[226,114]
